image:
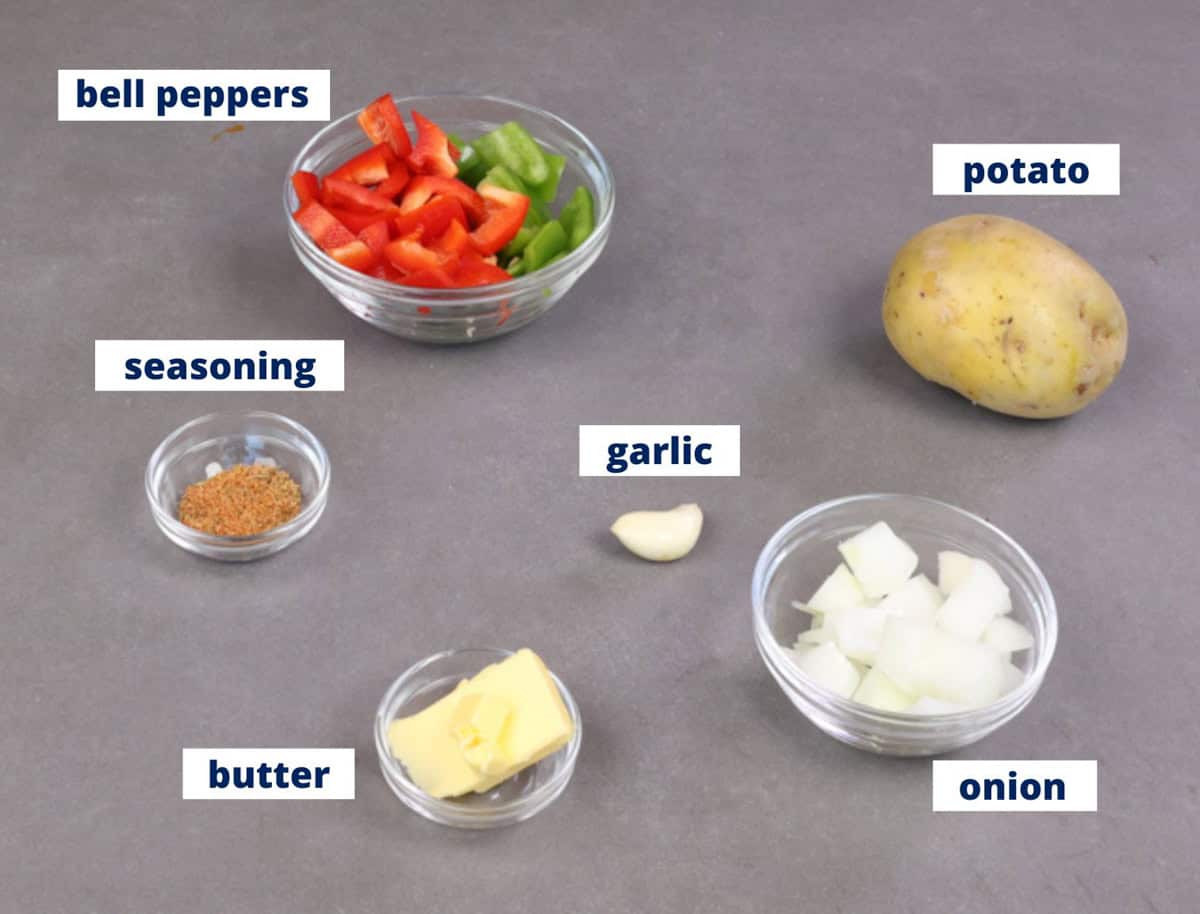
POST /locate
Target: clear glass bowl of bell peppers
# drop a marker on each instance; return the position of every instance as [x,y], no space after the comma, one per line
[448,218]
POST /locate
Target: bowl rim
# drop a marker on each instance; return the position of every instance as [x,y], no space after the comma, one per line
[298,523]
[548,275]
[446,811]
[988,715]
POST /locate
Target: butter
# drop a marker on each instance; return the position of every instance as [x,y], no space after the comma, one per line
[424,744]
[508,717]
[477,724]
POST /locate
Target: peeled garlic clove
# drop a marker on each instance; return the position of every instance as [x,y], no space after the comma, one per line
[660,536]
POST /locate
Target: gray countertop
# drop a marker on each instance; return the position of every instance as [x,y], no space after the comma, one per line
[769,159]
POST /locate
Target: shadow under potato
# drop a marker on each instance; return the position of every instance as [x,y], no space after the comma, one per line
[868,354]
[863,346]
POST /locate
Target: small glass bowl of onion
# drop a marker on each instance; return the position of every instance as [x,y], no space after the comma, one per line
[800,556]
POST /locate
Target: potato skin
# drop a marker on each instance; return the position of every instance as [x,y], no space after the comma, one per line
[1005,315]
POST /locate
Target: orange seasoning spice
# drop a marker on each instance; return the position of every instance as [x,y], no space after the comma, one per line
[242,501]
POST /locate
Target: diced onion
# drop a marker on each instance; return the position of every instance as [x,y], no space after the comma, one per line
[891,639]
[880,560]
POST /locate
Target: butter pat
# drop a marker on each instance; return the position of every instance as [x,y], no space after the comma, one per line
[478,725]
[508,717]
[426,747]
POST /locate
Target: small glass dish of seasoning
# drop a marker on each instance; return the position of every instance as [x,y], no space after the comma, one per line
[238,486]
[452,680]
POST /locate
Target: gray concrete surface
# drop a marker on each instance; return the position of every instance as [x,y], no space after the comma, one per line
[770,157]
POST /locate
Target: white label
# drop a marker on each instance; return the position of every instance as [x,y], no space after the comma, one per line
[1014,786]
[660,450]
[220,365]
[193,95]
[268,774]
[1026,169]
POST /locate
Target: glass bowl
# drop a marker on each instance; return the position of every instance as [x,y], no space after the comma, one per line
[457,315]
[230,439]
[803,552]
[520,797]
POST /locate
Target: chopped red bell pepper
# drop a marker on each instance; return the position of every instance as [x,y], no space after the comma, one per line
[506,211]
[322,226]
[382,123]
[356,220]
[473,270]
[395,182]
[376,236]
[339,192]
[307,186]
[431,154]
[422,188]
[433,278]
[432,219]
[382,269]
[455,240]
[441,234]
[411,256]
[333,237]
[369,167]
[356,256]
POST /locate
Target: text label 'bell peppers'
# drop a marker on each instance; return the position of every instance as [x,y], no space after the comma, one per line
[442,212]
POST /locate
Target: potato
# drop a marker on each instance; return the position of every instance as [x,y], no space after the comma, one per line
[1005,315]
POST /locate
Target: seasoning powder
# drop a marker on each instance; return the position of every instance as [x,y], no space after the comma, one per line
[242,501]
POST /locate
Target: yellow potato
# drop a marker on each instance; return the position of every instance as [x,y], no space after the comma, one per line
[1009,317]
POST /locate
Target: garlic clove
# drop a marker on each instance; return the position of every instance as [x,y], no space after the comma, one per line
[660,536]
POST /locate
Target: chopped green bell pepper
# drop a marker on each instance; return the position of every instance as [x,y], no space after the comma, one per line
[578,217]
[501,176]
[548,189]
[524,235]
[512,146]
[470,166]
[550,239]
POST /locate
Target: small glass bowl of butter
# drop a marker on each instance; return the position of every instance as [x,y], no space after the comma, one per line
[459,744]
